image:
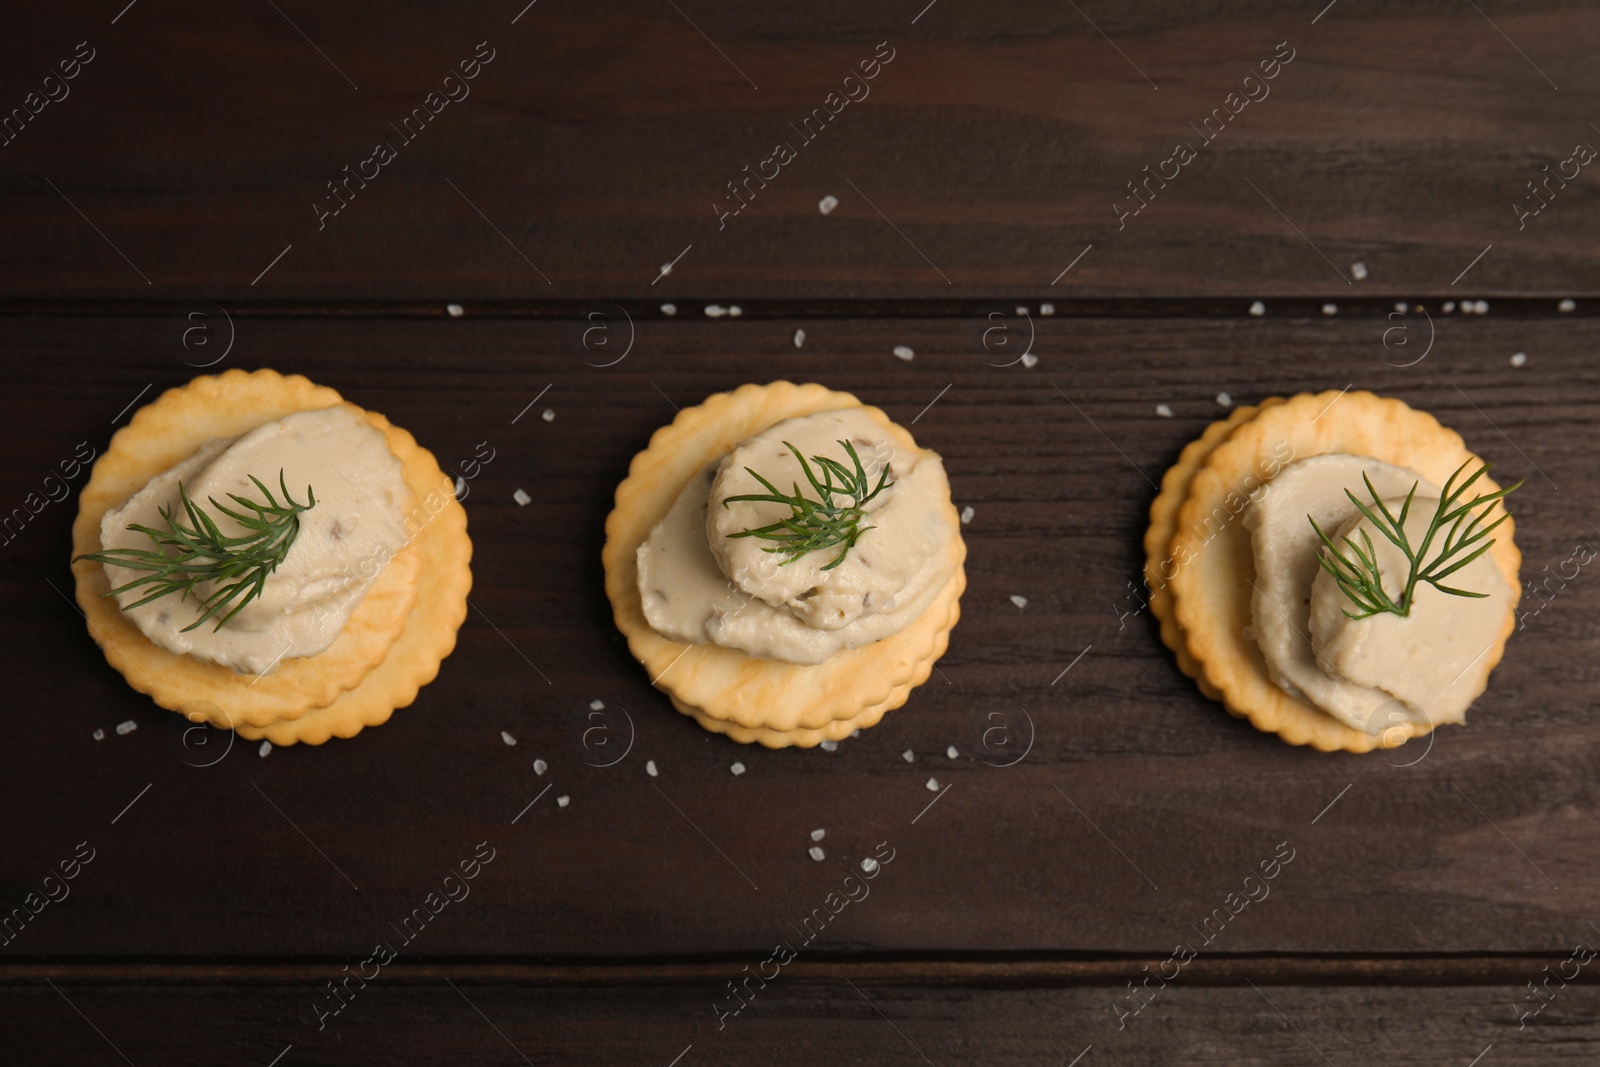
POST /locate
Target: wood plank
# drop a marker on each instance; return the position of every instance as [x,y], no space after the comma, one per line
[993,150]
[799,1021]
[1184,801]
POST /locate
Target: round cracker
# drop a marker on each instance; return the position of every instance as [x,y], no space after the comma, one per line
[1164,522]
[234,402]
[723,683]
[1211,589]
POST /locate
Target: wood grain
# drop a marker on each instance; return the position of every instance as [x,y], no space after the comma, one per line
[991,151]
[1138,808]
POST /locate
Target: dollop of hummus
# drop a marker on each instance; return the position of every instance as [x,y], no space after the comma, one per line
[355,527]
[1374,673]
[700,584]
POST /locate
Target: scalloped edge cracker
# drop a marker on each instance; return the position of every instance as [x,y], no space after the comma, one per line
[747,696]
[421,590]
[1212,590]
[1164,523]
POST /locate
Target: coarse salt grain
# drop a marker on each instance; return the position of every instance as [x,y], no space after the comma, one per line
[1258,309]
[1449,306]
[933,785]
[266,746]
[650,767]
[799,338]
[99,735]
[1164,411]
[817,853]
[455,310]
[1029,360]
[1020,601]
[827,204]
[818,835]
[830,746]
[461,487]
[507,738]
[564,801]
[669,309]
[966,514]
[1567,305]
[522,498]
[597,705]
[735,311]
[1480,307]
[540,766]
[951,752]
[549,415]
[1519,359]
[1224,400]
[737,768]
[1022,311]
[856,732]
[715,311]
[869,865]
[1047,309]
[908,756]
[904,352]
[1400,305]
[1358,271]
[124,728]
[1330,309]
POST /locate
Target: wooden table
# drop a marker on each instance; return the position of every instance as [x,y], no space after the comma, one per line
[1063,807]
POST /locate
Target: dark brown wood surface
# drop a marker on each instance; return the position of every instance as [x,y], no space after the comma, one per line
[1098,810]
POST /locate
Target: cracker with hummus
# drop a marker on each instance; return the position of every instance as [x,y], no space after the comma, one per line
[1343,572]
[784,560]
[252,551]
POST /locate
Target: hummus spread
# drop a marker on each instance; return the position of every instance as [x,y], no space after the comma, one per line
[355,527]
[1368,673]
[700,584]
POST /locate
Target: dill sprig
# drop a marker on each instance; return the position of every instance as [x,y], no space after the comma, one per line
[822,523]
[1357,573]
[240,565]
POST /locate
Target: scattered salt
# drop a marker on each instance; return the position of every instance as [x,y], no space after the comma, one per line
[549,415]
[455,310]
[818,835]
[856,732]
[1449,306]
[507,738]
[827,204]
[904,352]
[128,727]
[1164,411]
[597,705]
[1022,311]
[666,269]
[1258,309]
[908,756]
[737,768]
[1567,305]
[650,767]
[563,801]
[817,853]
[1020,601]
[522,498]
[266,746]
[1047,309]
[1519,359]
[540,766]
[966,514]
[735,311]
[799,338]
[461,487]
[99,735]
[715,311]
[830,746]
[933,785]
[869,865]
[1330,309]
[1358,271]
[1481,307]
[951,752]
[1029,360]
[1224,400]
[1400,305]
[669,309]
